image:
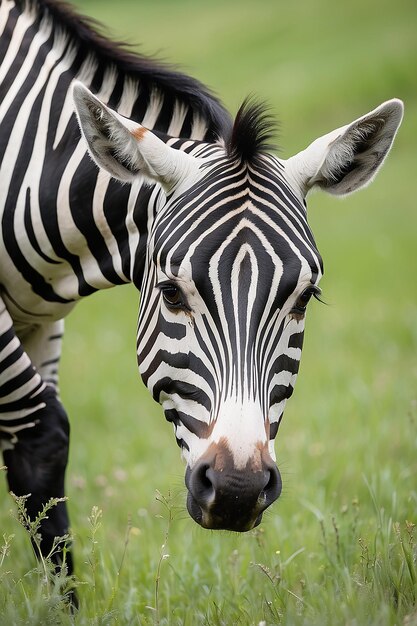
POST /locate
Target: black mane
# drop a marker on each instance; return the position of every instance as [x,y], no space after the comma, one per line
[88,33]
[252,133]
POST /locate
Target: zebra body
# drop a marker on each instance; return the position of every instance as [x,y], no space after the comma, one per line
[210,227]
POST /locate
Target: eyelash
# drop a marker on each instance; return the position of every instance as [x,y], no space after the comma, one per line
[177,300]
[308,293]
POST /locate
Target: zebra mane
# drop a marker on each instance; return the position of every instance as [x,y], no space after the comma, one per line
[89,35]
[252,133]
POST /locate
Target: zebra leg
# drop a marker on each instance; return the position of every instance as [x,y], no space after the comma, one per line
[34,427]
[36,466]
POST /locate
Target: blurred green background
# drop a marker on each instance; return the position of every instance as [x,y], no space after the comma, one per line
[353,415]
[319,65]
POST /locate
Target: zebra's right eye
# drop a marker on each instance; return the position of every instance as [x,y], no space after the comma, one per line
[172,296]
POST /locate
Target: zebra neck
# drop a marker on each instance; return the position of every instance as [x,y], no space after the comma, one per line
[78,231]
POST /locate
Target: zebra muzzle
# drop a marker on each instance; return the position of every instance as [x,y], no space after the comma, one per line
[221,497]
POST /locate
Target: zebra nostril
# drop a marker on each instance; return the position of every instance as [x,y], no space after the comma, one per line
[273,487]
[201,485]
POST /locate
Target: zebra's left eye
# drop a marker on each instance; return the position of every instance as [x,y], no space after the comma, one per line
[172,296]
[303,299]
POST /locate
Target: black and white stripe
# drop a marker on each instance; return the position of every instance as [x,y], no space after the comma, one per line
[210,227]
[66,228]
[239,249]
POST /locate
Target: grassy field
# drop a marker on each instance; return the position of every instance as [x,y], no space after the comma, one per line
[339,548]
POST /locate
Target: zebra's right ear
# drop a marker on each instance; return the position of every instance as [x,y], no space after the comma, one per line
[347,158]
[126,149]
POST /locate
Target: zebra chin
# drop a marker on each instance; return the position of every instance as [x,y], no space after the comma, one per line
[222,497]
[222,521]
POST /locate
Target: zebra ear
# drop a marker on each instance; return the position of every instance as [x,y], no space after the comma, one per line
[348,158]
[124,148]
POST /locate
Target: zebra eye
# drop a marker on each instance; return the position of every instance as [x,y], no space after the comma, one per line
[303,299]
[172,296]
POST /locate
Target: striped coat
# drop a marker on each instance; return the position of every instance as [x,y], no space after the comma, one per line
[209,225]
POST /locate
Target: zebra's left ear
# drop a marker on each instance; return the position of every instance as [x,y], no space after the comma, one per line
[348,158]
[126,149]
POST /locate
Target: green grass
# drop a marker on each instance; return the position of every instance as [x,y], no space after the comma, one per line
[339,547]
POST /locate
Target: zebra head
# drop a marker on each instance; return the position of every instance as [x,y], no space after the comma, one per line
[230,268]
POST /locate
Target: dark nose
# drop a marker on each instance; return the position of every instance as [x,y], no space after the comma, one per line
[228,498]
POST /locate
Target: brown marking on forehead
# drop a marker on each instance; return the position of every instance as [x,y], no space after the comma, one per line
[220,457]
[267,428]
[139,132]
[223,459]
[261,454]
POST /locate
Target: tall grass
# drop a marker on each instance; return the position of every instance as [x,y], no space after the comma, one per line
[355,566]
[340,545]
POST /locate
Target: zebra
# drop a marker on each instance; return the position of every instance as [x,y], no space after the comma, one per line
[190,206]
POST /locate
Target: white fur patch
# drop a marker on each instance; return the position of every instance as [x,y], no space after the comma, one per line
[240,424]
